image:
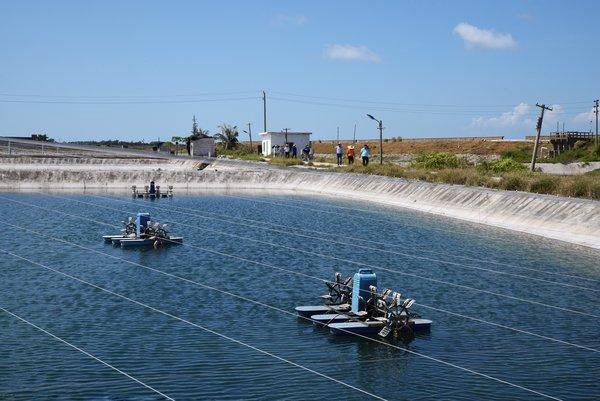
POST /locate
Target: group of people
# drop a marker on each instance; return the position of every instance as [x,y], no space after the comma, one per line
[365,153]
[286,151]
[291,151]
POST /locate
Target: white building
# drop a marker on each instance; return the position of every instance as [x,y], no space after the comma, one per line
[203,147]
[270,139]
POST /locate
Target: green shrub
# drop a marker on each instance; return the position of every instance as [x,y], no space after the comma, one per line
[580,153]
[594,189]
[522,154]
[514,182]
[576,187]
[502,165]
[453,176]
[438,160]
[544,184]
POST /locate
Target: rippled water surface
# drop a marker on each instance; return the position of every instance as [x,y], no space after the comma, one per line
[515,316]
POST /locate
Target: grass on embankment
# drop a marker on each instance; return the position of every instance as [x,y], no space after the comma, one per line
[504,174]
[441,167]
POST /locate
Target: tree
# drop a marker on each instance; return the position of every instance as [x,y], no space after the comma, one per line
[194,126]
[177,139]
[196,133]
[228,136]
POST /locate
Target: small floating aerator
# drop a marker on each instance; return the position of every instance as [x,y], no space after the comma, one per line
[142,233]
[385,313]
[152,191]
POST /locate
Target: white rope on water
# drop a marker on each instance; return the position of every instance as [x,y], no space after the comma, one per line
[223,336]
[304,275]
[22,319]
[369,218]
[296,249]
[311,235]
[496,262]
[286,312]
[246,238]
[462,286]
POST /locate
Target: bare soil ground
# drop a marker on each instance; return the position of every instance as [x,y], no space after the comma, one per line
[477,147]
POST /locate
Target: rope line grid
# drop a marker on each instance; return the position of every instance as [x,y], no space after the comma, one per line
[331,197]
[450,364]
[202,327]
[345,260]
[22,319]
[533,302]
[482,236]
[325,281]
[288,232]
[359,217]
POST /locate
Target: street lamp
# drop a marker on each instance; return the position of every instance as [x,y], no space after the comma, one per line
[249,132]
[380,123]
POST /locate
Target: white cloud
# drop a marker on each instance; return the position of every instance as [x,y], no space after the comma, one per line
[522,116]
[349,52]
[289,20]
[484,38]
[551,117]
[519,115]
[585,117]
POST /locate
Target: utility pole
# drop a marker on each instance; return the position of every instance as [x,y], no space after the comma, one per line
[264,98]
[354,135]
[338,134]
[250,135]
[539,131]
[380,142]
[286,132]
[596,112]
[563,127]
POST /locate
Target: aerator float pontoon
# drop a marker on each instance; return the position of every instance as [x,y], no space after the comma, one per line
[152,192]
[143,233]
[385,313]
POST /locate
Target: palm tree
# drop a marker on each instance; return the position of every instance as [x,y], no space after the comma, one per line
[228,136]
[177,139]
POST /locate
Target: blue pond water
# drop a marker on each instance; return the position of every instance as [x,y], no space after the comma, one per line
[464,277]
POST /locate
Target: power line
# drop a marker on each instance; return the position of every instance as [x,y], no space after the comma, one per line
[127,102]
[409,104]
[129,96]
[22,319]
[472,113]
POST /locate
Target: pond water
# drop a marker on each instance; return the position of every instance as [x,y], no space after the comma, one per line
[514,316]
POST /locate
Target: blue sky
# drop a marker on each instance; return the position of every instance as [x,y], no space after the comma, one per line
[141,69]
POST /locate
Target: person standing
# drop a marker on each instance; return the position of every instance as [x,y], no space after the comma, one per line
[365,153]
[339,153]
[350,154]
[294,151]
[286,150]
[305,153]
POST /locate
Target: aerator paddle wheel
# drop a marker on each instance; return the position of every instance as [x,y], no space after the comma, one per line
[340,291]
[398,317]
[130,227]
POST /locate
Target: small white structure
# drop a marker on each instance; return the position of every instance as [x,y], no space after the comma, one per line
[203,147]
[270,139]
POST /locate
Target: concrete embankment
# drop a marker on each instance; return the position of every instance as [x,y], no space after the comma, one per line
[568,219]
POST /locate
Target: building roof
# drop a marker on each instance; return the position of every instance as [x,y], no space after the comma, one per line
[283,133]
